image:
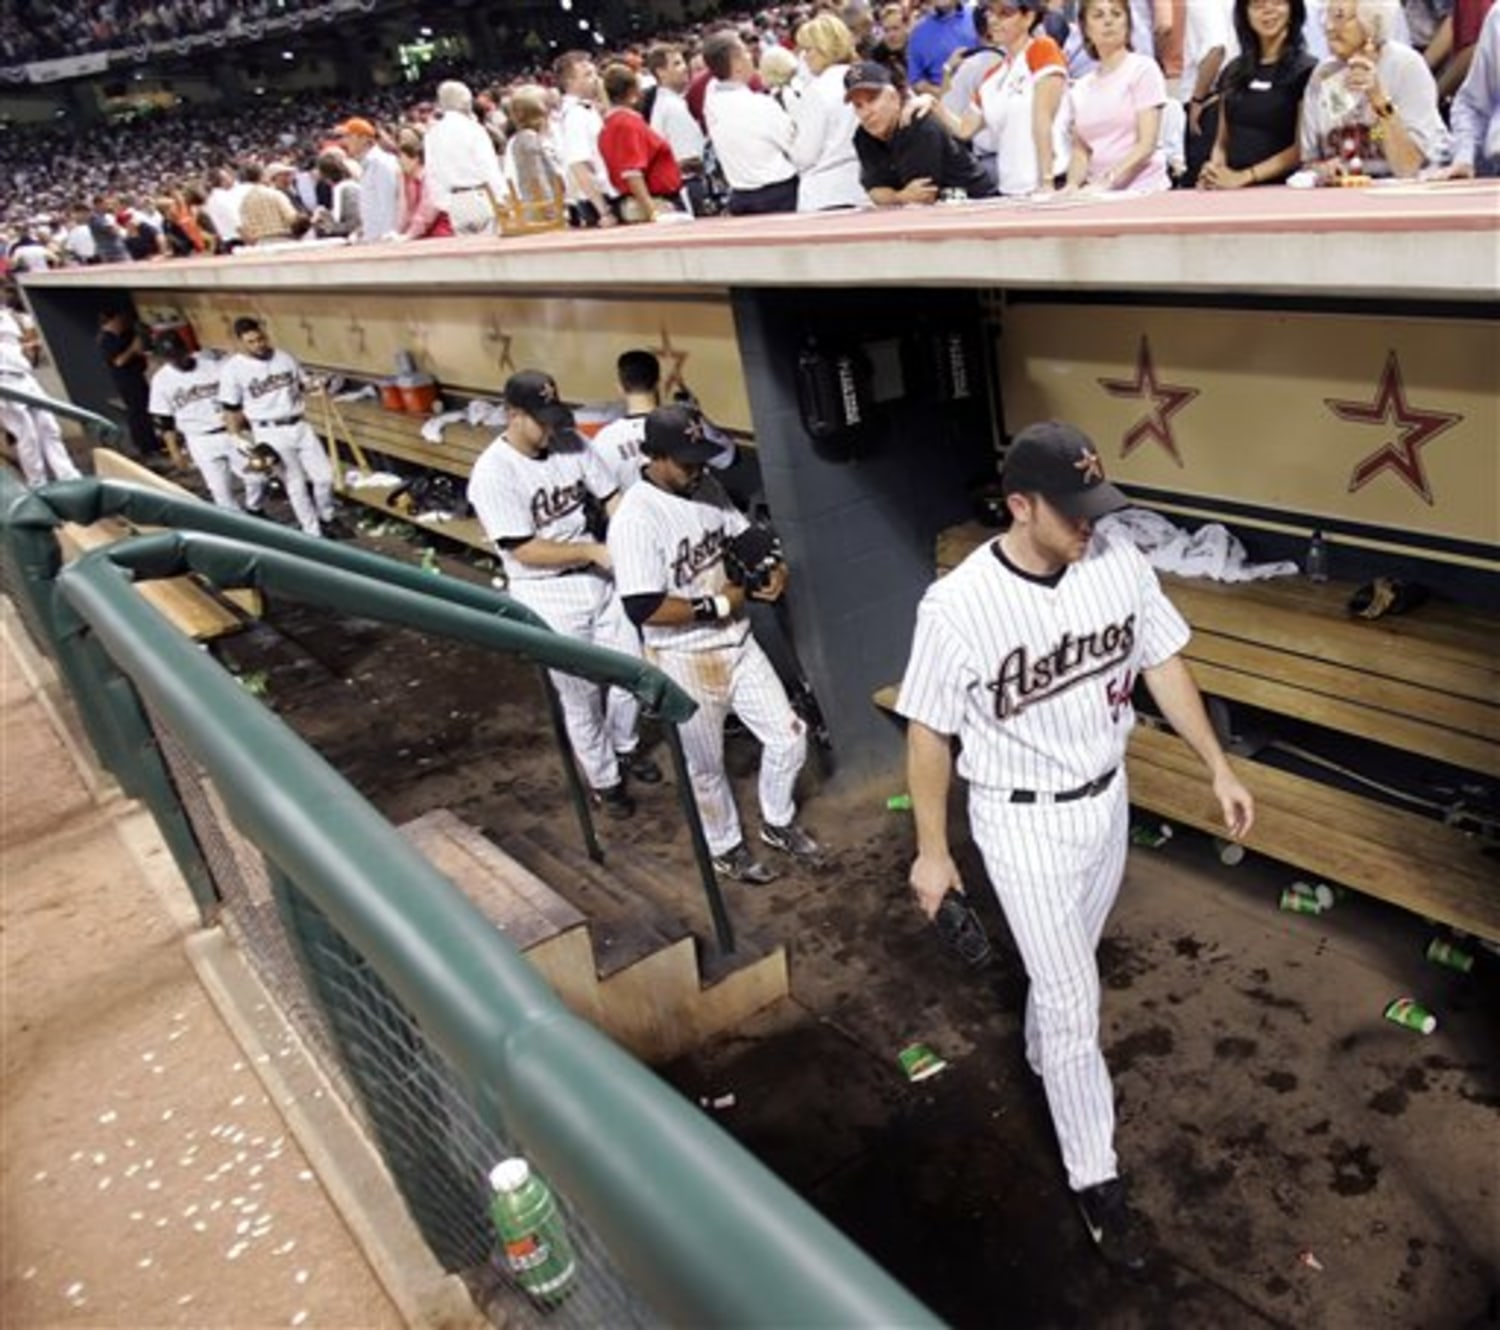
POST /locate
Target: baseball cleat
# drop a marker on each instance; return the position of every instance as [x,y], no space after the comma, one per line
[1117,1230]
[738,863]
[615,802]
[638,766]
[793,840]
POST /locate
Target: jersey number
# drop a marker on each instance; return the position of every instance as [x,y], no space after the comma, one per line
[1118,692]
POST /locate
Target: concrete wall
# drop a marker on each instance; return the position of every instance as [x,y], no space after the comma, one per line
[859,521]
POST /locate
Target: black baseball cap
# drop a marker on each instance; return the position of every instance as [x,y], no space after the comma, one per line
[535,393]
[1059,462]
[677,432]
[867,74]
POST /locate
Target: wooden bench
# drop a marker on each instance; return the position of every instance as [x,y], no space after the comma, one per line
[1425,683]
[190,605]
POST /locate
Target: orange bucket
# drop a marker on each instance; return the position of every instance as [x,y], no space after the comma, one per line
[419,397]
[390,396]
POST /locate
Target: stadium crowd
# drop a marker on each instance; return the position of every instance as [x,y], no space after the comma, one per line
[814,107]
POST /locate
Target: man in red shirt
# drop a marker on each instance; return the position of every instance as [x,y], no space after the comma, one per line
[640,162]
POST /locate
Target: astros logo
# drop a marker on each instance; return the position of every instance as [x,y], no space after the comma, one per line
[1088,462]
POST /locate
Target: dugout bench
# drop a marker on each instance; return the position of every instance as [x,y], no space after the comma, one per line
[1425,683]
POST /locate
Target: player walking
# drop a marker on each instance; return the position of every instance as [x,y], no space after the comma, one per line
[266,387]
[39,443]
[1027,653]
[530,490]
[185,401]
[667,541]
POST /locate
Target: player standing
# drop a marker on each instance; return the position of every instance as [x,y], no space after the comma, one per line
[667,541]
[39,442]
[266,387]
[1027,653]
[185,401]
[530,490]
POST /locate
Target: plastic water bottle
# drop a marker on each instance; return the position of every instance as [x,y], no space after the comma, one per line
[532,1235]
[1317,558]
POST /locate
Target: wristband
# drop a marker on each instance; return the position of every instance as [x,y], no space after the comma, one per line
[706,609]
[722,607]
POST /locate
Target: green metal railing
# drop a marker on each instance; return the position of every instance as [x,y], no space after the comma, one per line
[697,1227]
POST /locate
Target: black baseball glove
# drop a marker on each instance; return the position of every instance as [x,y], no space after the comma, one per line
[262,459]
[752,557]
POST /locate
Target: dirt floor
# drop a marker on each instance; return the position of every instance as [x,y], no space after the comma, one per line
[1305,1162]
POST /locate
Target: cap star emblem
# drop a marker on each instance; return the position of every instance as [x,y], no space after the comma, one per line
[693,429]
[1088,462]
[548,391]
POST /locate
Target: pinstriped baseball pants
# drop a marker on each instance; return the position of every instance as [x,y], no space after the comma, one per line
[1056,869]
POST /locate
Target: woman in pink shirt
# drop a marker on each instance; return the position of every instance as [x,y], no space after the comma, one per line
[1116,109]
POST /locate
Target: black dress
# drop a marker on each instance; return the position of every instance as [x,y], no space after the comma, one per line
[1262,108]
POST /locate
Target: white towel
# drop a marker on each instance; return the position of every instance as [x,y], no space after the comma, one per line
[1210,551]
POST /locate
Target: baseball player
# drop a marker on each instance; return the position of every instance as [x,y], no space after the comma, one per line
[619,442]
[530,490]
[1027,653]
[39,443]
[185,402]
[667,541]
[265,387]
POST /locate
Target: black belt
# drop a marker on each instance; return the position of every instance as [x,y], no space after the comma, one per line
[1064,796]
[285,420]
[217,429]
[465,189]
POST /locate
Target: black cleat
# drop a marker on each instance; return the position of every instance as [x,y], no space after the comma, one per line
[1116,1228]
[615,802]
[738,863]
[639,767]
[793,840]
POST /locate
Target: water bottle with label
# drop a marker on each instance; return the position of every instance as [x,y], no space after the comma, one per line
[532,1235]
[1317,558]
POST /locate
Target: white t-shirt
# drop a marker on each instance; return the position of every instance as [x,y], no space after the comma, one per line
[190,397]
[823,148]
[263,389]
[519,498]
[578,128]
[618,448]
[671,119]
[1036,680]
[751,134]
[1209,23]
[1007,100]
[458,154]
[673,545]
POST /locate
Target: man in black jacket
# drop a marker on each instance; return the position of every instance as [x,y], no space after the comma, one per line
[915,162]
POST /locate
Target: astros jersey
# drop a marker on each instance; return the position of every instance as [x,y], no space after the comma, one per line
[1036,680]
[263,389]
[518,498]
[189,397]
[618,446]
[674,544]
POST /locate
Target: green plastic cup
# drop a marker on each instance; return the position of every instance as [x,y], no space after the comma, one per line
[1412,1014]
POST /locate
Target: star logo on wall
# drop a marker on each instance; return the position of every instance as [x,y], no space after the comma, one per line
[309,337]
[1416,429]
[357,333]
[417,331]
[1165,400]
[498,338]
[672,361]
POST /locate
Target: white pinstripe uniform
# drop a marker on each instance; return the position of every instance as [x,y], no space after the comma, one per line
[673,545]
[191,398]
[39,443]
[618,445]
[270,393]
[518,498]
[1035,680]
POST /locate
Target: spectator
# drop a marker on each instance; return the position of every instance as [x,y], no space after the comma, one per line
[1371,108]
[1476,108]
[751,133]
[180,243]
[462,168]
[966,72]
[1256,140]
[915,162]
[578,126]
[29,254]
[340,216]
[266,214]
[379,180]
[78,245]
[889,48]
[529,160]
[639,161]
[109,240]
[671,118]
[1116,109]
[142,240]
[823,146]
[223,205]
[1018,101]
[948,27]
[1453,44]
[421,217]
[1208,44]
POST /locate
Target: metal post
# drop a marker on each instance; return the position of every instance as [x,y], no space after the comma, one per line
[576,791]
[723,929]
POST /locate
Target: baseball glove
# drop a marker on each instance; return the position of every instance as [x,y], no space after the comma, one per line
[752,557]
[262,459]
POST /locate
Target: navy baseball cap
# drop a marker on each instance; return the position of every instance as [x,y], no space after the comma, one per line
[535,393]
[868,74]
[1059,462]
[677,432]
